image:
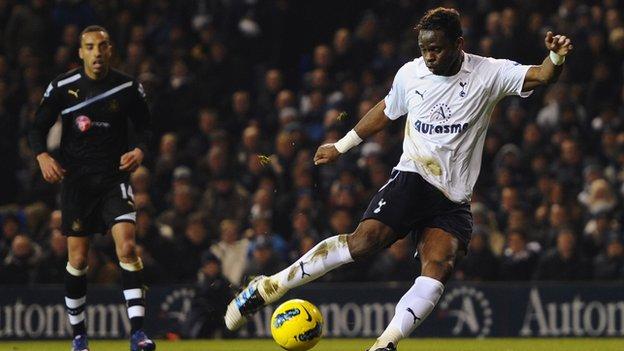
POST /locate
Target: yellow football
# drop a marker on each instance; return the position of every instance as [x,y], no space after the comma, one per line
[297,325]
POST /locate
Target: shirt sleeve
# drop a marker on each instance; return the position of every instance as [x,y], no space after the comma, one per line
[45,117]
[509,78]
[396,105]
[141,118]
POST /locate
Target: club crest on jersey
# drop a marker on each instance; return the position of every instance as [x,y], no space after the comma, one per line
[462,93]
[83,123]
[440,112]
[76,225]
[113,106]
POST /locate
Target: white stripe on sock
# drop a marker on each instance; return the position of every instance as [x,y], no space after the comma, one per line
[136,311]
[73,320]
[75,303]
[133,294]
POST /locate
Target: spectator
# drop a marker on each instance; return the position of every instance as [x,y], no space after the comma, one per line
[480,264]
[263,259]
[231,251]
[609,264]
[395,264]
[51,269]
[21,263]
[519,258]
[212,294]
[189,247]
[563,262]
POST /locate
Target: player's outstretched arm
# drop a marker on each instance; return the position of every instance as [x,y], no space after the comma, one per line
[550,69]
[372,122]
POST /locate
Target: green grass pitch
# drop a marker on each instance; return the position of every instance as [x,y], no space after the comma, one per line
[612,344]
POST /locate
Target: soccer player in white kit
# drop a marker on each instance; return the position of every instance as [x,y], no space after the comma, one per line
[448,96]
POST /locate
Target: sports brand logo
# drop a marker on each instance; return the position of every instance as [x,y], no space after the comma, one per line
[422,95]
[73,92]
[411,311]
[379,205]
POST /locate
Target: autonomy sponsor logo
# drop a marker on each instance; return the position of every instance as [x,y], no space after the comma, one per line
[177,304]
[471,310]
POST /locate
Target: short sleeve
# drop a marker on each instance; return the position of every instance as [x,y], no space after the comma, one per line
[396,105]
[509,78]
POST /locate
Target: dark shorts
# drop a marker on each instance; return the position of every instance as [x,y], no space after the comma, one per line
[408,204]
[92,204]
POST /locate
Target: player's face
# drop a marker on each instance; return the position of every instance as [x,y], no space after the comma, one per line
[439,53]
[95,51]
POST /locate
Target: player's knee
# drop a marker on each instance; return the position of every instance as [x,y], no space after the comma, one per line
[439,267]
[78,261]
[126,251]
[369,239]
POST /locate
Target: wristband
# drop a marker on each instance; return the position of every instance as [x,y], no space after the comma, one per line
[348,141]
[556,59]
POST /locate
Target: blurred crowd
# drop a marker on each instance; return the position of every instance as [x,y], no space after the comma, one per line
[243,92]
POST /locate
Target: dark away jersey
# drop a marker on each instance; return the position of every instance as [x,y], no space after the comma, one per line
[96,117]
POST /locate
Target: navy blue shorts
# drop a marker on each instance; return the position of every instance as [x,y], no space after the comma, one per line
[407,203]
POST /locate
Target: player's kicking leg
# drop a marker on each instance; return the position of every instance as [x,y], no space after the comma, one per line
[369,237]
[132,283]
[439,251]
[76,289]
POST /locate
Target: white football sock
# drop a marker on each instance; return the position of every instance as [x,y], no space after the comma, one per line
[411,310]
[328,254]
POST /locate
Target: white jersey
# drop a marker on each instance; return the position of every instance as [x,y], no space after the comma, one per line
[447,118]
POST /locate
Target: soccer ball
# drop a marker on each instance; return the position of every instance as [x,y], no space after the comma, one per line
[297,325]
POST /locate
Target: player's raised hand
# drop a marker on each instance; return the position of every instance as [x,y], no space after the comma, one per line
[559,44]
[131,160]
[50,169]
[326,153]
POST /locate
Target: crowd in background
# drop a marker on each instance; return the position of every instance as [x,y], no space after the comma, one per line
[243,92]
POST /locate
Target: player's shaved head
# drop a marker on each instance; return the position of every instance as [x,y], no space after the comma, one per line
[92,29]
[95,51]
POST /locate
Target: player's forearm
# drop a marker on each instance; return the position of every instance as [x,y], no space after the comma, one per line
[372,122]
[37,141]
[548,71]
[143,139]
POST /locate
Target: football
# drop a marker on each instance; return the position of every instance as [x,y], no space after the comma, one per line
[297,325]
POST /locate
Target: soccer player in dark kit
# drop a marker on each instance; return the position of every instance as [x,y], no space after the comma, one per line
[96,104]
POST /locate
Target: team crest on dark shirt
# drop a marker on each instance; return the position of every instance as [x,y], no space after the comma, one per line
[113,106]
[77,225]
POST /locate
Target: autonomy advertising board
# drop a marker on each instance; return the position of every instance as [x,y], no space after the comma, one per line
[350,310]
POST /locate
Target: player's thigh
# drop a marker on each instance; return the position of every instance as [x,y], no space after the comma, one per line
[388,217]
[117,205]
[369,237]
[439,252]
[119,214]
